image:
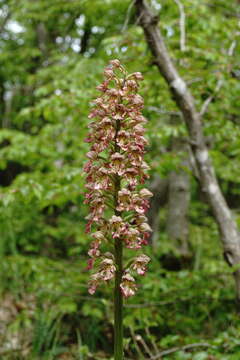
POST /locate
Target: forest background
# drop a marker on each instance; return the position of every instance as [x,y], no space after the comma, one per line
[52,56]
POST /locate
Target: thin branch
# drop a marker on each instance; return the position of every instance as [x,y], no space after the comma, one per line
[211,97]
[180,348]
[233,45]
[153,342]
[189,82]
[144,345]
[4,21]
[224,12]
[182,21]
[141,356]
[164,112]
[126,22]
[230,53]
[232,48]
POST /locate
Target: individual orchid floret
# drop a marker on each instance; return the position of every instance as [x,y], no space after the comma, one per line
[92,155]
[132,239]
[137,76]
[123,139]
[107,269]
[124,200]
[131,85]
[128,285]
[102,181]
[108,73]
[130,174]
[139,204]
[94,253]
[136,99]
[105,272]
[140,219]
[145,227]
[140,264]
[93,283]
[99,236]
[103,87]
[115,63]
[145,193]
[117,164]
[118,226]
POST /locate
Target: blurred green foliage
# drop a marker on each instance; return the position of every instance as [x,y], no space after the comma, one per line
[52,56]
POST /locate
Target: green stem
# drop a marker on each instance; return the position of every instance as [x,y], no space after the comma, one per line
[118,247]
[118,300]
[118,304]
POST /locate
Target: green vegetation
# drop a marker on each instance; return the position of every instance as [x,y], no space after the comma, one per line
[52,57]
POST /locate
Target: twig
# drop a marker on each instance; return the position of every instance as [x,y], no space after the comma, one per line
[233,45]
[192,81]
[152,340]
[126,22]
[179,348]
[210,98]
[136,344]
[165,112]
[232,48]
[226,13]
[4,21]
[182,21]
[144,345]
[205,105]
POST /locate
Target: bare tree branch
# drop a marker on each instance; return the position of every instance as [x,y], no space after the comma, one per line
[230,53]
[42,36]
[4,21]
[180,348]
[151,339]
[159,188]
[225,12]
[179,196]
[211,97]
[182,21]
[126,22]
[163,112]
[233,45]
[232,48]
[133,335]
[144,345]
[86,36]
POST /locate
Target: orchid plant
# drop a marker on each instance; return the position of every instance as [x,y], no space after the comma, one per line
[116,173]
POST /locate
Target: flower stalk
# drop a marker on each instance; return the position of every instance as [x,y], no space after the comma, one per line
[118,302]
[118,249]
[116,172]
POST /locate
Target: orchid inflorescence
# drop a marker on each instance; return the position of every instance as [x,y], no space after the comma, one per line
[115,170]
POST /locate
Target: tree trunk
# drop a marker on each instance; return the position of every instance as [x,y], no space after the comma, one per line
[86,37]
[42,38]
[178,200]
[227,225]
[159,188]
